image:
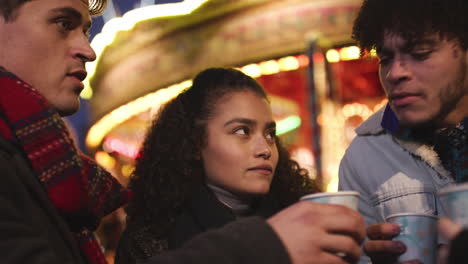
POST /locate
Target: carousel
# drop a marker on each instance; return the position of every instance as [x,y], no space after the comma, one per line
[299,50]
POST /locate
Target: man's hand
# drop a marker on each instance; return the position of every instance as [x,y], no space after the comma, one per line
[380,248]
[320,233]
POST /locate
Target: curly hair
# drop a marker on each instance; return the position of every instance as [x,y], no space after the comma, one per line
[8,7]
[169,170]
[413,20]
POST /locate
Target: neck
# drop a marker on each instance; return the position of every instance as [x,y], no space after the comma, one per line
[239,206]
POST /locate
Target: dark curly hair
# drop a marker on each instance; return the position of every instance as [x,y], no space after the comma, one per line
[168,169]
[8,7]
[412,19]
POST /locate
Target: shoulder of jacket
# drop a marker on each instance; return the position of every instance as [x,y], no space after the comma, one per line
[372,126]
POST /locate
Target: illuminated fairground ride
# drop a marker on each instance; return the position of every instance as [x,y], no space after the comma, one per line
[299,50]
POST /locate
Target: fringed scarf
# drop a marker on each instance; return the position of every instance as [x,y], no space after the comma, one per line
[79,189]
[450,143]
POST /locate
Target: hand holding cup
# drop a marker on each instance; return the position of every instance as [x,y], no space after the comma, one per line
[320,233]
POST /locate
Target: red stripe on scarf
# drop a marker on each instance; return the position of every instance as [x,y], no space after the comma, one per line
[79,189]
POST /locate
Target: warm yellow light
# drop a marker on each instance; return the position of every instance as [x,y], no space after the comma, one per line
[373,53]
[350,53]
[380,105]
[87,92]
[105,160]
[163,10]
[288,63]
[127,22]
[333,184]
[154,100]
[269,67]
[252,70]
[98,131]
[127,170]
[333,55]
[356,109]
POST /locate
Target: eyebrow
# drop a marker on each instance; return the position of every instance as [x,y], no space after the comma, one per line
[414,43]
[75,14]
[271,124]
[409,45]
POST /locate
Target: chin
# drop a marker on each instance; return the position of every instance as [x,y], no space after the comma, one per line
[261,191]
[413,119]
[67,111]
[68,108]
[254,193]
[415,122]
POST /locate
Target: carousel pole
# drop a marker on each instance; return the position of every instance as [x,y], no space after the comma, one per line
[312,46]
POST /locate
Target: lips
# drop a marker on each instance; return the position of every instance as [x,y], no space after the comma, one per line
[264,169]
[80,74]
[403,99]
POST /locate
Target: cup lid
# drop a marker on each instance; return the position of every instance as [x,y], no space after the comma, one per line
[323,194]
[453,188]
[411,214]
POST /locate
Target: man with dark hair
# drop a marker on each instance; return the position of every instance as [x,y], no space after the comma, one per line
[52,197]
[417,144]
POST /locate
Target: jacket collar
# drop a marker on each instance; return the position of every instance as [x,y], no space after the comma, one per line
[208,211]
[211,213]
[384,120]
[373,125]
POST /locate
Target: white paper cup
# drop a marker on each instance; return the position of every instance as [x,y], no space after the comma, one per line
[419,233]
[455,199]
[346,198]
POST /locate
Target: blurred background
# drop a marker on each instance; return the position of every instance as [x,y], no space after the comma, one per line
[301,51]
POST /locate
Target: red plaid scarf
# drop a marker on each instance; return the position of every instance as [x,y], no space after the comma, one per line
[79,189]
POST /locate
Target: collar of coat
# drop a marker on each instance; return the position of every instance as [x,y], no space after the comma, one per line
[383,121]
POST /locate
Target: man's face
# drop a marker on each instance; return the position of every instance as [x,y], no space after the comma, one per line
[45,44]
[425,80]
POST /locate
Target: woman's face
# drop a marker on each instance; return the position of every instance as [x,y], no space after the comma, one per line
[241,155]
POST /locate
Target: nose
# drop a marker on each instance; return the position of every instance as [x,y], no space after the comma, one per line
[265,154]
[84,51]
[263,149]
[396,72]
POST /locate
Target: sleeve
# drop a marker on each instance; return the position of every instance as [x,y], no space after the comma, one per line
[247,241]
[459,248]
[20,240]
[349,181]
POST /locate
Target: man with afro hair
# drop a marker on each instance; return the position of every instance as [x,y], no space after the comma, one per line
[417,144]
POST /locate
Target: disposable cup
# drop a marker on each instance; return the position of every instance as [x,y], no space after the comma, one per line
[419,233]
[347,198]
[455,200]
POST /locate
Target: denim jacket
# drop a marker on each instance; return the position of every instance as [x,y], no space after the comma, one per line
[391,175]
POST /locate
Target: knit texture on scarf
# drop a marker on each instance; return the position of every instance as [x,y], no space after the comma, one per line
[79,189]
[450,143]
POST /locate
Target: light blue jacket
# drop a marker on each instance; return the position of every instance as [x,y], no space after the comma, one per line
[391,175]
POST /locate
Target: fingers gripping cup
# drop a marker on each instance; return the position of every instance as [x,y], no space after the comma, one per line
[419,233]
[348,199]
[455,198]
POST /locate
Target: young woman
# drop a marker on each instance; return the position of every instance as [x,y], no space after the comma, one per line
[211,156]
